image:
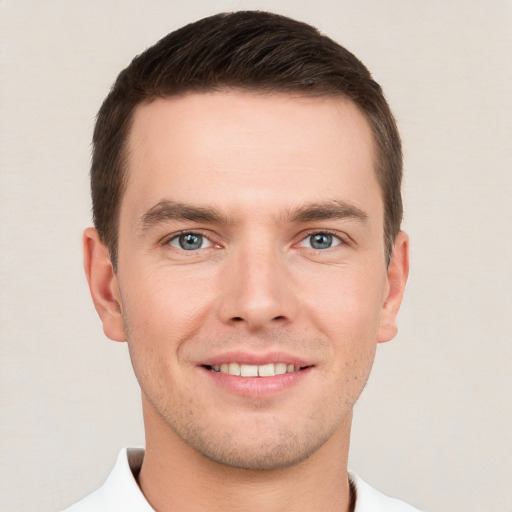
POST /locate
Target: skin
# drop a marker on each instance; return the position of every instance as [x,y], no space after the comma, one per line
[275,169]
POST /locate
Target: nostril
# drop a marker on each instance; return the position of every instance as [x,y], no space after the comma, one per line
[238,319]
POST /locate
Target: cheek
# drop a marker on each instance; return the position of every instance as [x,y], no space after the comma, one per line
[347,304]
[165,304]
[162,311]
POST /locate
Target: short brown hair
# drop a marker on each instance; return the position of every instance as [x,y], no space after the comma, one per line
[249,50]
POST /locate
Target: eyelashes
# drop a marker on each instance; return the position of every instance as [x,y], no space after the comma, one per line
[194,241]
[190,241]
[321,240]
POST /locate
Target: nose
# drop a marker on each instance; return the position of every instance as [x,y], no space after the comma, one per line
[258,290]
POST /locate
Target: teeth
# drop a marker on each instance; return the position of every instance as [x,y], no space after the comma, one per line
[234,369]
[267,370]
[281,368]
[253,370]
[248,370]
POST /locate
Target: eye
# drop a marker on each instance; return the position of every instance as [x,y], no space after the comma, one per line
[190,241]
[320,241]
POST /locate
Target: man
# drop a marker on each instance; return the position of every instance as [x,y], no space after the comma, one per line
[247,246]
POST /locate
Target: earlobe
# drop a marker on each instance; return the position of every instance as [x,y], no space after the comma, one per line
[398,271]
[103,285]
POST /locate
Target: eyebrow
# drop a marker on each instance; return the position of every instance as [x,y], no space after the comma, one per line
[171,210]
[335,209]
[166,210]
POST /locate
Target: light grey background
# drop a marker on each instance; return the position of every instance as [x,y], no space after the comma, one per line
[433,426]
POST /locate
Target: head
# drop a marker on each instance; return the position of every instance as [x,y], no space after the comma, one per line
[249,51]
[246,189]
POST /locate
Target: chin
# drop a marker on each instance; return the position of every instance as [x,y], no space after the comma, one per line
[255,448]
[261,456]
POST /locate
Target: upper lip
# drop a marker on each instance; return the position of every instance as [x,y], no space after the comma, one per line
[244,357]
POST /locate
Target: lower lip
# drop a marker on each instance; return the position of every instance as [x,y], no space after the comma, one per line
[257,386]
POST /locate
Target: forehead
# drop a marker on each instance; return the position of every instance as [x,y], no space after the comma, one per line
[239,148]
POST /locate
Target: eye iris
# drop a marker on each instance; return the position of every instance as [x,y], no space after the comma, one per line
[321,241]
[190,241]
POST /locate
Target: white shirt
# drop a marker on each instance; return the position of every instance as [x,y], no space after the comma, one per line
[121,493]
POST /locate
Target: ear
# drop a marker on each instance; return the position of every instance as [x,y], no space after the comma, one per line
[103,285]
[398,271]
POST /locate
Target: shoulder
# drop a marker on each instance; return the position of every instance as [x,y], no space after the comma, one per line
[120,491]
[369,499]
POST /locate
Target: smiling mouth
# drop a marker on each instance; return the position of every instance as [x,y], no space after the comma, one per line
[253,370]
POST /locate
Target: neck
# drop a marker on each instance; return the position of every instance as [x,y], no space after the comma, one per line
[176,477]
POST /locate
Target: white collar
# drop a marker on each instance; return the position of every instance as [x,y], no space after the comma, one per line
[121,491]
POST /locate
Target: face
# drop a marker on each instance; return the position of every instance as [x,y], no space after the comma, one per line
[252,285]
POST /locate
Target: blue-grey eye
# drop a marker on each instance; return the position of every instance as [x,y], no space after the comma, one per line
[320,241]
[189,241]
